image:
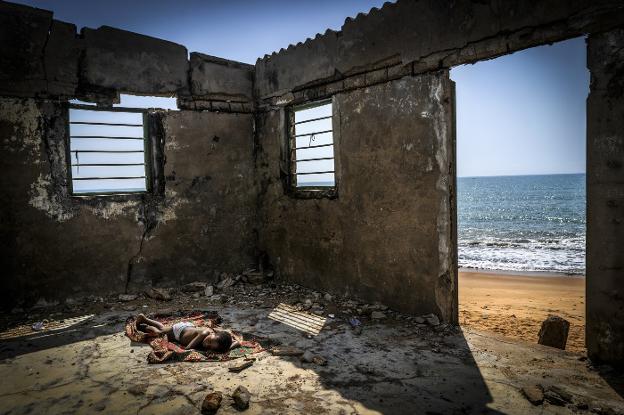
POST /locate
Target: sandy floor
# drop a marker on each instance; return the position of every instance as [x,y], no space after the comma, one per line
[86,364]
[516,305]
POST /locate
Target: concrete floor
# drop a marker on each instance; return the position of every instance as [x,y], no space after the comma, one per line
[395,366]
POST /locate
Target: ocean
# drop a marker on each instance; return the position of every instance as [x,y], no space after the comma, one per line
[522,223]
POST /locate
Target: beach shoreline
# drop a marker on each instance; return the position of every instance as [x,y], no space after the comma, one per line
[512,273]
[514,304]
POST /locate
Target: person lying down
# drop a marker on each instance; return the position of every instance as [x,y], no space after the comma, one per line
[188,336]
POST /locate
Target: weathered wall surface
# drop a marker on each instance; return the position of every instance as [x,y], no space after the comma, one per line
[54,245]
[387,236]
[200,218]
[209,216]
[605,186]
[428,35]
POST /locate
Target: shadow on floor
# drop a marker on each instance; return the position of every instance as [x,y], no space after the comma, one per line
[22,340]
[614,378]
[426,374]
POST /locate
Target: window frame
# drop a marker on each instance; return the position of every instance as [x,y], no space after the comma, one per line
[310,191]
[147,153]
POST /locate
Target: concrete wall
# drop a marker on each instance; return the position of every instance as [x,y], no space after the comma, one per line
[605,186]
[387,236]
[55,245]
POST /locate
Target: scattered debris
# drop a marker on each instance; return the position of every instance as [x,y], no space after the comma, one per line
[356,325]
[562,393]
[241,398]
[377,315]
[226,282]
[211,403]
[534,394]
[319,360]
[253,277]
[138,389]
[38,326]
[419,320]
[159,294]
[431,319]
[286,351]
[553,398]
[554,332]
[307,357]
[240,367]
[327,297]
[127,297]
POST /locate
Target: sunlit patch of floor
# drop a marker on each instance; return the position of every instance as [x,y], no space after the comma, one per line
[300,320]
[47,330]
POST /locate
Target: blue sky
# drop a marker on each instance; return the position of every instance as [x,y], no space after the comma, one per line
[518,114]
[523,113]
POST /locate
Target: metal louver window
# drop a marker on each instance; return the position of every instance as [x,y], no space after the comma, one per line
[312,146]
[107,150]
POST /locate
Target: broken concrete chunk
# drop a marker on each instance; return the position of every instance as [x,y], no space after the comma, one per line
[209,291]
[194,287]
[211,403]
[138,389]
[534,394]
[377,315]
[253,277]
[431,319]
[319,360]
[554,332]
[127,297]
[307,357]
[159,294]
[286,351]
[240,367]
[562,393]
[241,398]
[553,398]
[328,297]
[226,283]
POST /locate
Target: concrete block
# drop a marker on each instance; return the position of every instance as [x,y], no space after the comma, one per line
[62,54]
[554,332]
[211,75]
[23,35]
[133,63]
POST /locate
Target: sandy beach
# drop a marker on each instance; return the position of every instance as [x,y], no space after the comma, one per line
[515,304]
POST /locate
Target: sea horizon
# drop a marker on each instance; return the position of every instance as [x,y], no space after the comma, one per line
[522,175]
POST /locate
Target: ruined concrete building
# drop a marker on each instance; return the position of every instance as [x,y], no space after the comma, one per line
[220,181]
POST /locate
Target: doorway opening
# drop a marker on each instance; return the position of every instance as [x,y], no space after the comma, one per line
[521,195]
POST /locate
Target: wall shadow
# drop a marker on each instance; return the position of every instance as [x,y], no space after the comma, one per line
[86,328]
[398,370]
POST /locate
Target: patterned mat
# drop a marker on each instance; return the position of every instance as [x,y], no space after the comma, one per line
[164,350]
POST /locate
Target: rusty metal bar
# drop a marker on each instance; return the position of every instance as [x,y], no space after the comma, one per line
[313,119]
[105,123]
[317,146]
[314,133]
[109,178]
[315,172]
